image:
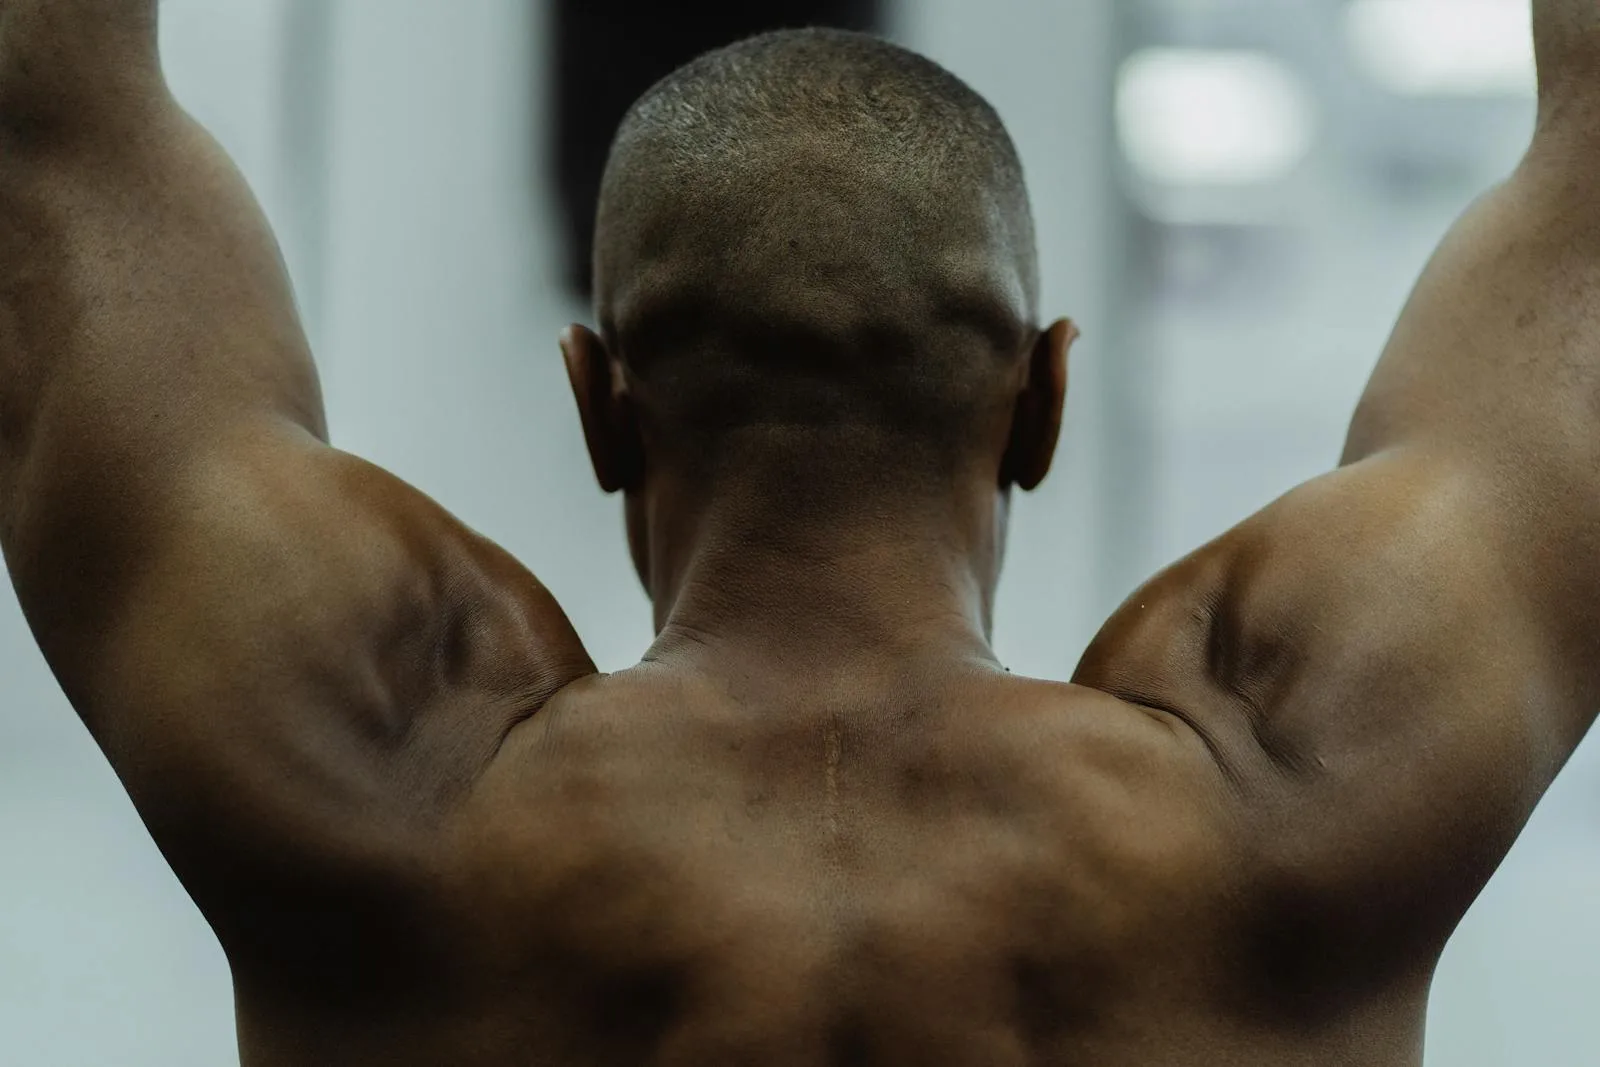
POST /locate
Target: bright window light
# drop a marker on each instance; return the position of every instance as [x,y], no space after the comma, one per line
[1209,117]
[1444,47]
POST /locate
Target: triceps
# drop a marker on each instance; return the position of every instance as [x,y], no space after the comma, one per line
[146,322]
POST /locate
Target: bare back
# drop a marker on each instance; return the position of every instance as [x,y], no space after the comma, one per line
[958,869]
[426,830]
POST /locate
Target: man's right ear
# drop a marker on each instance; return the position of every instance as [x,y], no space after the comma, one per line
[610,427]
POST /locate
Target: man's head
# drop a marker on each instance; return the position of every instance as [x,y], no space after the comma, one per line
[815,268]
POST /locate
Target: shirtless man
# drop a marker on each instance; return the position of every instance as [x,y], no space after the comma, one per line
[818,824]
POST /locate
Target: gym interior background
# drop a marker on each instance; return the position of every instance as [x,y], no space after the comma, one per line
[1233,198]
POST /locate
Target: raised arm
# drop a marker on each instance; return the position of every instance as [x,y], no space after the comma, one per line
[1494,369]
[1390,664]
[293,661]
[146,321]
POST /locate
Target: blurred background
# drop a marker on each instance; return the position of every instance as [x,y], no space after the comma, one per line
[1233,198]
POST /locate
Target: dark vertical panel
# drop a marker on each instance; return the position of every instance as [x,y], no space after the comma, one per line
[608,52]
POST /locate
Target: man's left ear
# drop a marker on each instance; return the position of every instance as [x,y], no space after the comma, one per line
[610,426]
[1036,419]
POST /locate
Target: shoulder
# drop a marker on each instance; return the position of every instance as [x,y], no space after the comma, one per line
[1358,661]
[276,555]
[313,667]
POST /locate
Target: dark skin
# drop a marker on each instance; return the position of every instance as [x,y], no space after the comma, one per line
[819,824]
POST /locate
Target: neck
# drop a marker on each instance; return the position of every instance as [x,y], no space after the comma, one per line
[786,579]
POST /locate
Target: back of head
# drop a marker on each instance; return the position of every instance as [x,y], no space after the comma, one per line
[817,238]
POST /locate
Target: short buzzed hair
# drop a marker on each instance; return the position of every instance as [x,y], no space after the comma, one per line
[815,227]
